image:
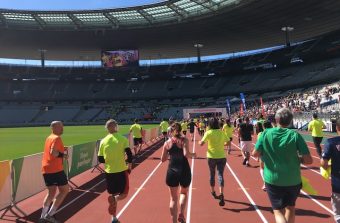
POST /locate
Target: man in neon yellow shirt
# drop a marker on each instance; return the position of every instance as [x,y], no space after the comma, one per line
[112,151]
[316,127]
[164,128]
[136,130]
[216,139]
[228,128]
[184,126]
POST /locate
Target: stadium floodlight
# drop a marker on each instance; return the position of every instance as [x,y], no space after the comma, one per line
[198,47]
[287,30]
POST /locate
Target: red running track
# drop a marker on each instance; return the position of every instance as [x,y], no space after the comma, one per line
[148,199]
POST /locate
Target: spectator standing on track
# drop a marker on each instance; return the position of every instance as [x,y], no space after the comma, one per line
[229,130]
[316,127]
[216,155]
[282,150]
[53,172]
[164,128]
[112,151]
[178,173]
[332,152]
[245,132]
[136,130]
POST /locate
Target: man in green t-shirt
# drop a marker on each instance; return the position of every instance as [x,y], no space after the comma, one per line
[316,127]
[136,130]
[112,151]
[282,150]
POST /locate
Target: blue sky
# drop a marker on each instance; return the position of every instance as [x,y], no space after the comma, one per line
[71,4]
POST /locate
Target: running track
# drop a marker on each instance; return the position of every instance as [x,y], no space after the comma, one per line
[149,197]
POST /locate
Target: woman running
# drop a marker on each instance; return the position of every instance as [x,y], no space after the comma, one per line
[216,139]
[178,177]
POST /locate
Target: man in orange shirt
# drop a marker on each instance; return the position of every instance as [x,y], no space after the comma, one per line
[53,172]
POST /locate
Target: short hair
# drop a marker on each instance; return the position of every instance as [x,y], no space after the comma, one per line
[267,124]
[55,123]
[214,123]
[284,117]
[315,115]
[109,122]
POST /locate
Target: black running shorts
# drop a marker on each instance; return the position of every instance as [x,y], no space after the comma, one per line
[282,196]
[117,183]
[137,141]
[55,179]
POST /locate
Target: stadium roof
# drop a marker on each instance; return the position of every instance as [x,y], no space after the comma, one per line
[167,12]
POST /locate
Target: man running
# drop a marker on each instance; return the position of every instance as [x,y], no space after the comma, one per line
[245,132]
[53,173]
[228,129]
[164,128]
[112,151]
[316,127]
[184,126]
[192,126]
[136,130]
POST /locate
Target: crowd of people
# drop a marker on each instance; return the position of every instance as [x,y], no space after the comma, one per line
[280,151]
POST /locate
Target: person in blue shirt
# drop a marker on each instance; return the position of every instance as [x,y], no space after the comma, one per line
[332,152]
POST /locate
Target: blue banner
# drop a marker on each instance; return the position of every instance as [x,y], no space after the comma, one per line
[228,107]
[243,101]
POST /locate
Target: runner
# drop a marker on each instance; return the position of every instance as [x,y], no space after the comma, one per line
[179,173]
[228,129]
[245,132]
[136,130]
[164,128]
[316,127]
[332,152]
[216,139]
[112,151]
[282,150]
[192,126]
[184,126]
[53,173]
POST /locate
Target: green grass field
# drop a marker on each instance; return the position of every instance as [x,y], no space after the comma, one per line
[18,142]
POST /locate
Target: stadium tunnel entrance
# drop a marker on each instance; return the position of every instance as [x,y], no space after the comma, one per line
[208,112]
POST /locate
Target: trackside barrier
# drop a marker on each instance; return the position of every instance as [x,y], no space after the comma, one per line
[5,184]
[21,178]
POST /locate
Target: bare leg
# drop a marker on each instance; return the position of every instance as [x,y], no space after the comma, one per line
[183,199]
[51,191]
[290,214]
[173,203]
[279,216]
[63,191]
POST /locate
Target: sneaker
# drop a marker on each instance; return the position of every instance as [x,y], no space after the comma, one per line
[221,202]
[51,219]
[181,218]
[112,205]
[214,195]
[115,220]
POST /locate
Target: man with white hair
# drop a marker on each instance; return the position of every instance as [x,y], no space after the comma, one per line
[282,150]
[53,172]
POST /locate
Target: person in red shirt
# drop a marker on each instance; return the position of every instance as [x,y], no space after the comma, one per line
[53,172]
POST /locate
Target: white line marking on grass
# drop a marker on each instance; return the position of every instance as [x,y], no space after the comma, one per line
[248,196]
[192,178]
[137,192]
[316,201]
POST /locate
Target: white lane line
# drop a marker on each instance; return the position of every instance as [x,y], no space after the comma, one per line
[248,196]
[85,192]
[139,189]
[192,178]
[316,201]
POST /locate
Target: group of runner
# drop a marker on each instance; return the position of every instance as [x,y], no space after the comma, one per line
[280,151]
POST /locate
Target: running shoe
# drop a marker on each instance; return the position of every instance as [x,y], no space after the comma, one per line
[181,218]
[51,219]
[214,195]
[115,220]
[221,202]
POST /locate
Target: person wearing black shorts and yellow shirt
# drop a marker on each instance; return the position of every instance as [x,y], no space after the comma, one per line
[112,151]
[136,130]
[178,173]
[316,127]
[164,128]
[228,128]
[216,155]
[184,126]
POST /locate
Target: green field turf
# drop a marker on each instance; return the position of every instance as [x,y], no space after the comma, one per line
[18,142]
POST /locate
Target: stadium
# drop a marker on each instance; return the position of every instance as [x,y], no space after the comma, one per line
[168,60]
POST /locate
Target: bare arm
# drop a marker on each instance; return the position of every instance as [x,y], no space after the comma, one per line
[324,163]
[164,156]
[186,151]
[256,153]
[306,159]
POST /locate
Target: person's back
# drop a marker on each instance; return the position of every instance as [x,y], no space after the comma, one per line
[246,130]
[316,127]
[136,130]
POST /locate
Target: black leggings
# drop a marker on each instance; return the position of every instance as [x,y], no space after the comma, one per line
[317,142]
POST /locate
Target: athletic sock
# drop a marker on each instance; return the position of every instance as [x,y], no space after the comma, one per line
[44,211]
[53,210]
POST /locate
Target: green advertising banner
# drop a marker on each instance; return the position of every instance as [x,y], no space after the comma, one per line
[82,158]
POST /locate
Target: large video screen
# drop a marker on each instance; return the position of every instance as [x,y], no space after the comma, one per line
[119,58]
